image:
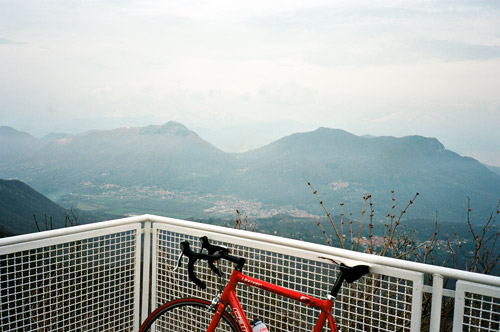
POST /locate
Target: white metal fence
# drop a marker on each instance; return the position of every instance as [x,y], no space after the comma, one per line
[108,276]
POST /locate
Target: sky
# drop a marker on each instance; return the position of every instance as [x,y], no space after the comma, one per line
[245,72]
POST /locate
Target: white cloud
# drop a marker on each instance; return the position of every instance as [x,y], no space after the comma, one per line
[364,66]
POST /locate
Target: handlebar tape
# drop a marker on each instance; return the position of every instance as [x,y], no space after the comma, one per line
[193,257]
[215,253]
[212,249]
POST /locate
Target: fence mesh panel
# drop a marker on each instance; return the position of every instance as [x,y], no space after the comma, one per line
[481,313]
[83,285]
[90,282]
[376,303]
[381,303]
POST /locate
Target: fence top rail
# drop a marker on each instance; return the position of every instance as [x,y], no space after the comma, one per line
[70,230]
[342,253]
[323,249]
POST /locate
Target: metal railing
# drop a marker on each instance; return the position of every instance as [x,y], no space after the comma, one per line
[108,276]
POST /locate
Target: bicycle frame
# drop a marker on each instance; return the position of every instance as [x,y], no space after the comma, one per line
[229,297]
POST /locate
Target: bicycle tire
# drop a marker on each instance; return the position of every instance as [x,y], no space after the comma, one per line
[188,314]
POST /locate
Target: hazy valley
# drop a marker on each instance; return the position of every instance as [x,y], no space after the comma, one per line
[170,170]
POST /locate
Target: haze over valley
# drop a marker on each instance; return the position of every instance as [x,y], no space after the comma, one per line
[170,170]
[199,109]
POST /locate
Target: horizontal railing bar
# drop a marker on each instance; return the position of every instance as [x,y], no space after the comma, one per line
[353,255]
[446,292]
[70,230]
[67,238]
[362,257]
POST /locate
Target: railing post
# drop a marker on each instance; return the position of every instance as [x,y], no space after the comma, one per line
[146,268]
[437,301]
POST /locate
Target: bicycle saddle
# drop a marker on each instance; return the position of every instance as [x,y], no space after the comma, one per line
[350,271]
[353,273]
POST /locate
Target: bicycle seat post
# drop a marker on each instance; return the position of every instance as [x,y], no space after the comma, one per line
[338,283]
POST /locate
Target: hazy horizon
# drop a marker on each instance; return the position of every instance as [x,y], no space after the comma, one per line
[240,138]
[385,68]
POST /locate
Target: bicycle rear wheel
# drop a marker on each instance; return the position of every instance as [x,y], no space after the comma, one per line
[189,314]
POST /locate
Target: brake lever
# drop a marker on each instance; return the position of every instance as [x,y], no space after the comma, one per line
[179,261]
[205,244]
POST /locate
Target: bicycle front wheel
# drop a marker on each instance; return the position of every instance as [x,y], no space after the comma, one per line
[190,314]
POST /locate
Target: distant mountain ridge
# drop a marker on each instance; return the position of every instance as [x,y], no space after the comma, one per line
[494,169]
[126,156]
[16,144]
[191,171]
[344,167]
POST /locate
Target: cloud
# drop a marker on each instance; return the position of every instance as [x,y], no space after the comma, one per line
[5,41]
[223,9]
[367,66]
[449,50]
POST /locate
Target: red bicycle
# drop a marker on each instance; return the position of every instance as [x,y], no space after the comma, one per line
[224,312]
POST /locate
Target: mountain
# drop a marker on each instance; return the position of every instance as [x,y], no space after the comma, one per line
[16,145]
[170,156]
[169,169]
[18,204]
[344,167]
[494,169]
[55,137]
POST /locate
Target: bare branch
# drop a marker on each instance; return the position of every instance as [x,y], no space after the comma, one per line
[315,192]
